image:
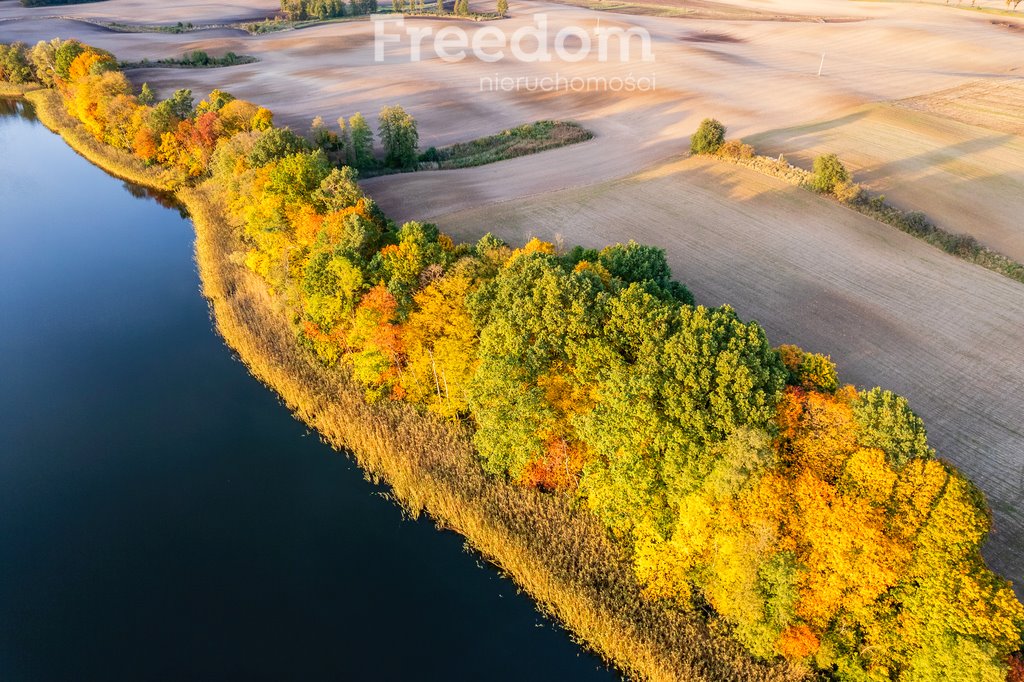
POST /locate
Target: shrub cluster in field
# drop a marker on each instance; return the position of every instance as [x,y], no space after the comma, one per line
[519,141]
[304,10]
[829,176]
[814,519]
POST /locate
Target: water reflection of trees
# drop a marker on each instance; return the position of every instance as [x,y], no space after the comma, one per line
[17,107]
[165,199]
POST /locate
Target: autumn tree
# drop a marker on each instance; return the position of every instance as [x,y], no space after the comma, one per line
[638,263]
[44,62]
[296,177]
[276,143]
[441,343]
[885,421]
[402,265]
[66,53]
[375,339]
[534,317]
[362,141]
[709,137]
[344,143]
[14,64]
[828,173]
[398,136]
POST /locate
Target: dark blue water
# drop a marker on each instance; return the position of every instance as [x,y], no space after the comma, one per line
[162,517]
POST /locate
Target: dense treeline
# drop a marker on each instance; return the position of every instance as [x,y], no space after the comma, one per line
[305,10]
[811,518]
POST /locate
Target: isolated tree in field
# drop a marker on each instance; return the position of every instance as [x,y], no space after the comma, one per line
[399,137]
[709,137]
[502,7]
[361,138]
[829,172]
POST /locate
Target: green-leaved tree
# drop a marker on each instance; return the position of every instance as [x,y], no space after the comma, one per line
[398,136]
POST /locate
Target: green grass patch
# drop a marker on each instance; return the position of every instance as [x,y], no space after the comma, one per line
[192,60]
[530,138]
[180,27]
[280,24]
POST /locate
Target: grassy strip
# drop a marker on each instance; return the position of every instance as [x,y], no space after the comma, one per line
[559,554]
[508,144]
[281,24]
[180,27]
[194,60]
[530,138]
[642,9]
[268,25]
[914,223]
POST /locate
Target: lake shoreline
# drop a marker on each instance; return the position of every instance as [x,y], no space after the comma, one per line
[431,467]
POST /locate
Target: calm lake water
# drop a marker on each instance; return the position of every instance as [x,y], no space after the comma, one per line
[162,517]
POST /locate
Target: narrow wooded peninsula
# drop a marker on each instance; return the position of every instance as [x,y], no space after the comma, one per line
[689,500]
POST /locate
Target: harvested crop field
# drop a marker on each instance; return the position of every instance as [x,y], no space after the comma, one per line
[149,12]
[891,310]
[964,177]
[701,9]
[996,105]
